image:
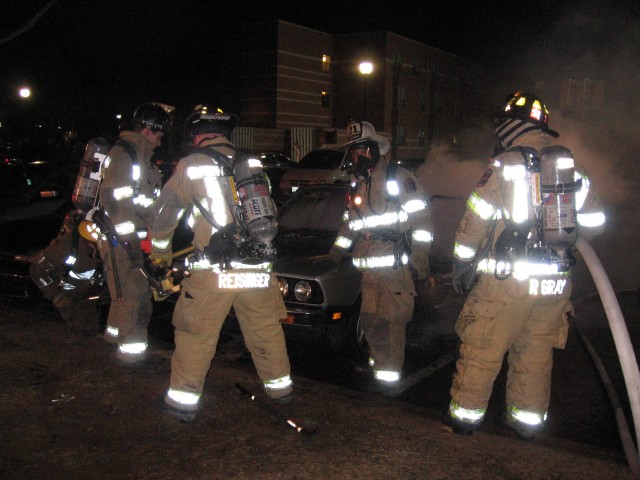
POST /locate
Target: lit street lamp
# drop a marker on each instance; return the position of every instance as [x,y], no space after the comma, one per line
[24,92]
[365,69]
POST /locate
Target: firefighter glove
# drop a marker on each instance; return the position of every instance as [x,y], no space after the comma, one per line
[461,276]
[419,266]
[163,259]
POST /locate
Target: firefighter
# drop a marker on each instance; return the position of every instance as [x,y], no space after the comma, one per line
[388,232]
[130,183]
[515,239]
[68,274]
[220,274]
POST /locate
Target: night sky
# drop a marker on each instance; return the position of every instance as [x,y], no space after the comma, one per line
[87,61]
[82,56]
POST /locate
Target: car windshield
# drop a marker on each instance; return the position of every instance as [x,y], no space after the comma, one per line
[314,208]
[322,159]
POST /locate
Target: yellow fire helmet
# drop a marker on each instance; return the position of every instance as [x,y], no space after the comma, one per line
[89,231]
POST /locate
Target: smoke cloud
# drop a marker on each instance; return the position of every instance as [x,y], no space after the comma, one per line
[602,42]
[587,41]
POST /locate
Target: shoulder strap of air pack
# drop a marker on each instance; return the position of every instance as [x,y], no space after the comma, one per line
[392,170]
[529,157]
[229,193]
[219,158]
[131,151]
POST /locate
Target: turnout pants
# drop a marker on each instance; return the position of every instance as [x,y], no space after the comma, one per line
[198,318]
[500,317]
[387,307]
[130,315]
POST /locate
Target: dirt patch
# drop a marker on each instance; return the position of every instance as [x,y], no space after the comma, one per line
[69,412]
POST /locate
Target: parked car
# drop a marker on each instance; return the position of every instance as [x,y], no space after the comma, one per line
[36,182]
[322,299]
[321,166]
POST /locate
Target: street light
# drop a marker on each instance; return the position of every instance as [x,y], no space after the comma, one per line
[24,92]
[366,68]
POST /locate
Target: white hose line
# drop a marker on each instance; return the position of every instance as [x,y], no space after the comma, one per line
[618,327]
[623,427]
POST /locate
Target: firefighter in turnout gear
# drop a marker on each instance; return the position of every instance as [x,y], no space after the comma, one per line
[515,240]
[130,183]
[68,274]
[388,232]
[224,202]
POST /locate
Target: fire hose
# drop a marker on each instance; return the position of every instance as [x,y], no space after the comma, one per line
[621,339]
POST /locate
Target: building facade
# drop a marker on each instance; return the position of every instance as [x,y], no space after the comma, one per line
[300,87]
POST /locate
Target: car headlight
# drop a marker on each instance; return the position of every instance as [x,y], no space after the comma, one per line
[283,286]
[298,291]
[302,291]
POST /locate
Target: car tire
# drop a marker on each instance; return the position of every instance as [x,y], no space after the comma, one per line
[347,339]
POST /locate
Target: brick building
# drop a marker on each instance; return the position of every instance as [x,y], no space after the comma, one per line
[300,87]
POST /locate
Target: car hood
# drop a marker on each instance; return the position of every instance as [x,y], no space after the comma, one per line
[304,241]
[312,175]
[302,266]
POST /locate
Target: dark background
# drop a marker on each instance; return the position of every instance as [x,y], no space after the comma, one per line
[85,62]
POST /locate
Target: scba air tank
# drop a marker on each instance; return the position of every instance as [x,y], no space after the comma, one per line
[255,198]
[88,181]
[558,186]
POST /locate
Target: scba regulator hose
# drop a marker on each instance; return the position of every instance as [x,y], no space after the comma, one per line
[619,332]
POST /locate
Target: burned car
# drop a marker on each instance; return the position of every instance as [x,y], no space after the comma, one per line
[322,299]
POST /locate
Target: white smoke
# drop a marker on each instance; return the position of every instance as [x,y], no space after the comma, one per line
[602,42]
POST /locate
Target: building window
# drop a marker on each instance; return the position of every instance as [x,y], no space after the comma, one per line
[326,63]
[402,97]
[399,135]
[397,61]
[325,100]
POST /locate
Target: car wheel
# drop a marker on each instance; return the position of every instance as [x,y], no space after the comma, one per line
[347,339]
